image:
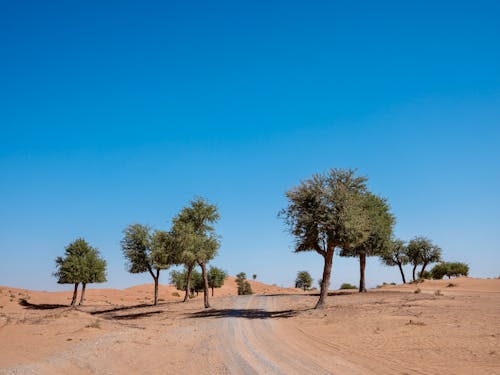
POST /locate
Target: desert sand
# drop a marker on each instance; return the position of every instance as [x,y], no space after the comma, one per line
[389,330]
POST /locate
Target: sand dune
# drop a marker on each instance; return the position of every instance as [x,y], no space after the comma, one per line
[389,330]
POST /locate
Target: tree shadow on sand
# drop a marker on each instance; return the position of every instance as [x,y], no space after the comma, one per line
[39,306]
[121,308]
[138,315]
[243,313]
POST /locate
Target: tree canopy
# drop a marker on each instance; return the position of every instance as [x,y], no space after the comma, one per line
[421,251]
[396,255]
[303,280]
[380,223]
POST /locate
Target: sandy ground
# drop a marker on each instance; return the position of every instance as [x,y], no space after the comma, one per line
[389,330]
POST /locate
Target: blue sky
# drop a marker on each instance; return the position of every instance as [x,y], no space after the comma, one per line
[118,113]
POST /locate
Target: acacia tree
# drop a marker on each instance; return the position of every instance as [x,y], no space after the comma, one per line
[197,233]
[421,251]
[216,277]
[81,264]
[327,212]
[303,280]
[380,222]
[147,251]
[396,255]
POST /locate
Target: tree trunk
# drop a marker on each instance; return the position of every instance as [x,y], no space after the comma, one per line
[75,292]
[423,269]
[402,273]
[212,291]
[205,284]
[362,265]
[82,297]
[325,281]
[188,283]
[156,278]
[414,268]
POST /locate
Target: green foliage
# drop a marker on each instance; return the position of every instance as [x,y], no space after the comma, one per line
[327,211]
[395,254]
[450,269]
[216,277]
[303,280]
[254,276]
[424,275]
[146,251]
[80,264]
[179,278]
[348,286]
[421,250]
[380,223]
[244,286]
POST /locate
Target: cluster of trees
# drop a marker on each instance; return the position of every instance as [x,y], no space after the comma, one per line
[215,276]
[81,264]
[420,251]
[336,211]
[244,286]
[191,242]
[450,269]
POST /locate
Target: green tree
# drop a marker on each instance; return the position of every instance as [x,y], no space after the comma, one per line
[380,222]
[421,251]
[216,277]
[450,269]
[254,276]
[303,280]
[328,212]
[396,255]
[148,251]
[179,279]
[244,286]
[201,242]
[81,263]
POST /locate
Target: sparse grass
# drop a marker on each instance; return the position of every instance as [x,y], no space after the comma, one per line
[393,283]
[176,294]
[95,324]
[438,293]
[417,291]
[161,299]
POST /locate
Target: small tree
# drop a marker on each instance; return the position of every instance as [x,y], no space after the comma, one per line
[396,255]
[147,251]
[303,280]
[216,278]
[81,264]
[254,276]
[328,212]
[201,242]
[244,286]
[380,225]
[454,269]
[421,251]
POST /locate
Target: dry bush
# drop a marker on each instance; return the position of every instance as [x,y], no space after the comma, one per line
[438,293]
[417,291]
[95,324]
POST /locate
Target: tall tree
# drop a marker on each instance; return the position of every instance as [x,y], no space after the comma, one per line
[421,251]
[380,222]
[396,255]
[303,280]
[147,251]
[198,219]
[216,277]
[327,212]
[81,263]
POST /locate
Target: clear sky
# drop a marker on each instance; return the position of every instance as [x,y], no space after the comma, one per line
[113,113]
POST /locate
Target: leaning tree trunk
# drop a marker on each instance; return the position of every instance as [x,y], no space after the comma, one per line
[362,265]
[75,292]
[402,273]
[205,284]
[188,283]
[82,296]
[414,269]
[423,269]
[325,281]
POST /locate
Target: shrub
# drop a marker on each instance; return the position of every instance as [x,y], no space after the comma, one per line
[438,293]
[244,286]
[348,286]
[450,269]
[417,291]
[176,294]
[95,324]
